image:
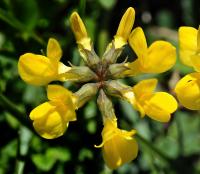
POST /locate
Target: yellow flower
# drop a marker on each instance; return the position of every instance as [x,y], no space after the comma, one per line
[51,118]
[118,145]
[125,27]
[156,105]
[40,70]
[188,91]
[158,58]
[188,88]
[189,43]
[80,32]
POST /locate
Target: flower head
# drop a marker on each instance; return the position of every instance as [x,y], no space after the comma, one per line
[51,118]
[119,146]
[97,76]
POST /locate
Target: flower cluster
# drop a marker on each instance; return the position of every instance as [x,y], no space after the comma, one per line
[100,77]
[188,88]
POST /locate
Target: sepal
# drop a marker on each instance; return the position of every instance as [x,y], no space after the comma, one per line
[85,93]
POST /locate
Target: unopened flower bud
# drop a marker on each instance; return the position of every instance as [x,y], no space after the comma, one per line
[124,28]
[80,31]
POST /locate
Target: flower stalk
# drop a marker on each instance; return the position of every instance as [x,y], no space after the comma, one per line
[105,107]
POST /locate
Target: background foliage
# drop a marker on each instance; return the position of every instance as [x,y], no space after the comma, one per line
[25,26]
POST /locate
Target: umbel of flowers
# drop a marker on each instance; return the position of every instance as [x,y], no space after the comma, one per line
[99,76]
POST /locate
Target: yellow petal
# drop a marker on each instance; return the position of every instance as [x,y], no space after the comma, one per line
[128,95]
[134,68]
[160,106]
[124,28]
[198,41]
[187,44]
[138,42]
[48,121]
[110,128]
[139,108]
[54,52]
[65,98]
[195,59]
[58,93]
[188,91]
[119,146]
[41,110]
[36,69]
[62,70]
[144,87]
[119,150]
[161,57]
[80,31]
[111,155]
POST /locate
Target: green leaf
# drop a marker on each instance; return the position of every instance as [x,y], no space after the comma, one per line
[107,4]
[12,121]
[6,153]
[127,168]
[2,39]
[129,112]
[7,17]
[25,136]
[37,144]
[75,57]
[46,161]
[142,127]
[188,12]
[102,42]
[10,149]
[43,162]
[59,153]
[82,7]
[92,126]
[189,127]
[26,12]
[90,110]
[165,18]
[30,93]
[85,154]
[91,27]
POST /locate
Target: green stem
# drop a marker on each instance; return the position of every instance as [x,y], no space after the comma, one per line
[25,133]
[24,139]
[82,6]
[9,19]
[155,149]
[38,39]
[14,110]
[180,135]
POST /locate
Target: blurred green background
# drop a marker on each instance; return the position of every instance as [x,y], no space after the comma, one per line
[25,26]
